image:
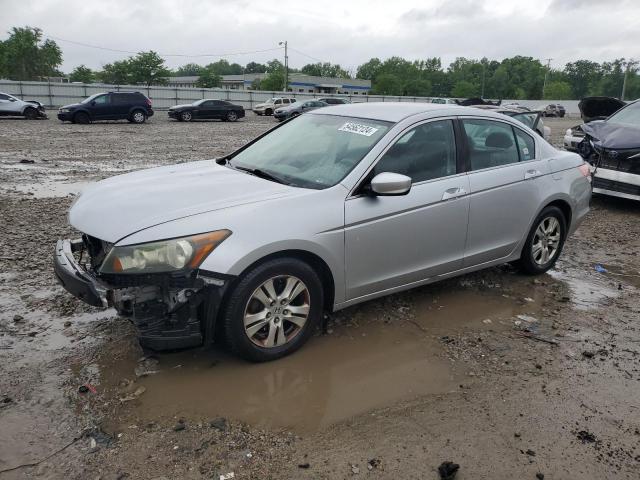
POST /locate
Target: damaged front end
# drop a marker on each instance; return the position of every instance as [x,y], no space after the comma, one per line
[613,150]
[158,285]
[42,113]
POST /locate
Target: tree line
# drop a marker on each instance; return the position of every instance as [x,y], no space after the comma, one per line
[24,55]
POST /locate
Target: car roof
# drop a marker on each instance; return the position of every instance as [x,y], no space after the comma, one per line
[396,111]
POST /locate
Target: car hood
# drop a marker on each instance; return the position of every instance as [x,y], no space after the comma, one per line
[598,108]
[264,105]
[613,135]
[114,208]
[72,105]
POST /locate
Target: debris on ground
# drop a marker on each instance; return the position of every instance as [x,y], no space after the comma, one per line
[586,437]
[219,423]
[448,470]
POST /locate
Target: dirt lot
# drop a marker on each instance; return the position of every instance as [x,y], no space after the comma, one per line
[511,377]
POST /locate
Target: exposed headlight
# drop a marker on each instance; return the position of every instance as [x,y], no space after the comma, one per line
[569,132]
[164,256]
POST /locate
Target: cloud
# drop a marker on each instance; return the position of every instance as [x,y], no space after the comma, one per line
[347,35]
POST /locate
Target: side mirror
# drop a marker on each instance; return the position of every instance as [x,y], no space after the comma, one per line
[390,184]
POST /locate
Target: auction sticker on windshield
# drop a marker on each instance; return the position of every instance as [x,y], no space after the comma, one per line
[358,128]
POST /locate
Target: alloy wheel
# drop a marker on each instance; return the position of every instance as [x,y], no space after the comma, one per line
[546,241]
[138,117]
[277,311]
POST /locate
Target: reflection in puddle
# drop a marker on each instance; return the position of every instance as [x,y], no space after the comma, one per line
[587,290]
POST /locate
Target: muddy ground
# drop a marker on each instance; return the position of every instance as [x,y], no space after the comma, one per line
[509,376]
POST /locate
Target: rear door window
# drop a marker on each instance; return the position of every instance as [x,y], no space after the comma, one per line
[526,145]
[121,98]
[491,143]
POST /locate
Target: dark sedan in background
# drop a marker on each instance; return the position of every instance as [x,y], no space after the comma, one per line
[297,108]
[207,109]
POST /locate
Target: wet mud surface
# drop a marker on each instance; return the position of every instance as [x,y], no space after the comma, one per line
[507,375]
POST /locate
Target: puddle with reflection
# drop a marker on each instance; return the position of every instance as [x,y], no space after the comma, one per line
[587,290]
[367,365]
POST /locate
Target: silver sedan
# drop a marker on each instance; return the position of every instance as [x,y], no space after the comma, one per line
[335,207]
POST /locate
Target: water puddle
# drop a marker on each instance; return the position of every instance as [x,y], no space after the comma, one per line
[48,189]
[365,363]
[587,290]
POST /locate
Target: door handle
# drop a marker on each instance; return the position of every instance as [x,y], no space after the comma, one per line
[532,174]
[454,192]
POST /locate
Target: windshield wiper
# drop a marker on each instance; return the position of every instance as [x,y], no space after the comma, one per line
[262,174]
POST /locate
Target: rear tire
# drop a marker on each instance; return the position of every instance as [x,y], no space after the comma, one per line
[232,116]
[258,324]
[138,116]
[544,243]
[30,113]
[81,118]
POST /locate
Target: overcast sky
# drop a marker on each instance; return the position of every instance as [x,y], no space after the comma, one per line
[348,33]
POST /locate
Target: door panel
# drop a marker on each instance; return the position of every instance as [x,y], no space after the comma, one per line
[393,241]
[504,189]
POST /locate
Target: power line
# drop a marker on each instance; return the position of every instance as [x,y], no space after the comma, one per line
[308,56]
[164,54]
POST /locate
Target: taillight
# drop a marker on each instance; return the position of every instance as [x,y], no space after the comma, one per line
[149,101]
[585,170]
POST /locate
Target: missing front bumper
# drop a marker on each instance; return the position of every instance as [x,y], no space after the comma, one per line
[170,312]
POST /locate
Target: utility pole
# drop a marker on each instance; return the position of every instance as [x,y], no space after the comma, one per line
[544,85]
[286,66]
[482,93]
[630,64]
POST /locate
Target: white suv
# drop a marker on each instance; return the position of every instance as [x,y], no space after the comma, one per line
[12,106]
[271,105]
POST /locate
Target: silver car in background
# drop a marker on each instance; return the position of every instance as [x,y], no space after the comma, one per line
[332,208]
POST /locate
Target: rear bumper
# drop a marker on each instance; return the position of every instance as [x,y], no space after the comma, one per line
[74,278]
[616,183]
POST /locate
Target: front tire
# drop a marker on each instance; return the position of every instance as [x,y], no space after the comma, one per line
[186,116]
[544,242]
[81,118]
[268,111]
[30,113]
[273,309]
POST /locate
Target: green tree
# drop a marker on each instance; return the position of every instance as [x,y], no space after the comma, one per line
[465,89]
[189,70]
[148,68]
[82,74]
[417,88]
[325,70]
[209,78]
[369,70]
[116,73]
[387,84]
[582,76]
[274,81]
[557,90]
[24,56]
[253,67]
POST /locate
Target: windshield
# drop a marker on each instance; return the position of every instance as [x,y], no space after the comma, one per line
[92,97]
[312,151]
[198,102]
[629,115]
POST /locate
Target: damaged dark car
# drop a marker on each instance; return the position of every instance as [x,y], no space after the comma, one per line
[591,108]
[612,147]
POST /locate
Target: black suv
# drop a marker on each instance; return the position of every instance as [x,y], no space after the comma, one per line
[132,106]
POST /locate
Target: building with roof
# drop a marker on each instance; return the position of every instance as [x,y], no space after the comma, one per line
[298,83]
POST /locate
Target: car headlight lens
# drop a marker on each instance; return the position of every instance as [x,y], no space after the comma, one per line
[64,110]
[164,256]
[569,132]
